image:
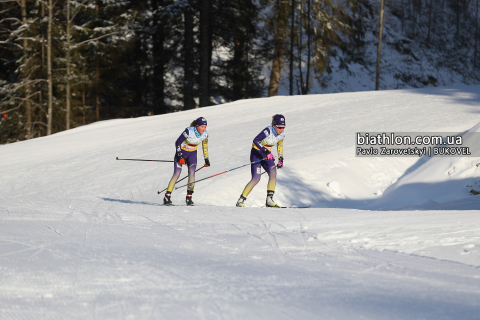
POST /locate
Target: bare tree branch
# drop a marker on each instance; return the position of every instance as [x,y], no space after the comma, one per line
[10,110]
[86,41]
[12,43]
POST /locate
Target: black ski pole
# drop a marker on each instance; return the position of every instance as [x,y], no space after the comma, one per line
[180,180]
[147,160]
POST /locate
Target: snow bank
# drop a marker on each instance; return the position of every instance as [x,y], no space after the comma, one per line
[438,182]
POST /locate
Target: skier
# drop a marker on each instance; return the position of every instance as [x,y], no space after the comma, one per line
[261,149]
[186,153]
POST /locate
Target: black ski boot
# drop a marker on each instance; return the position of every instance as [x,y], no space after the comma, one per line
[188,200]
[166,199]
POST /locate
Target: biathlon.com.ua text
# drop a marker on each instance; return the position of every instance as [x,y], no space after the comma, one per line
[417,144]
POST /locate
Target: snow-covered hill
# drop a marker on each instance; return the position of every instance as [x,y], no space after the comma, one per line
[84,236]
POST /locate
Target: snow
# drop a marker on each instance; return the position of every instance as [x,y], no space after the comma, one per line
[83,236]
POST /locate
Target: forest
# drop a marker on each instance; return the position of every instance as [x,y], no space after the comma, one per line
[68,63]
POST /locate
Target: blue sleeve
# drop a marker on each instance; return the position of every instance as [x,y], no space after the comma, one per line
[180,139]
[257,140]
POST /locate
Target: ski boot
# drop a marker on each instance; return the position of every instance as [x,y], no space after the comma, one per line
[270,202]
[188,200]
[241,201]
[166,200]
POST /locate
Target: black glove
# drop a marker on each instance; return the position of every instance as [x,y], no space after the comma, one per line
[207,162]
[280,162]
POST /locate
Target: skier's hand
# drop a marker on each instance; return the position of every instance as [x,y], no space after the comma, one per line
[180,156]
[207,162]
[270,157]
[280,162]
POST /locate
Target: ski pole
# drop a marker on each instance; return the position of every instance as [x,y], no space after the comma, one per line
[222,173]
[148,160]
[180,180]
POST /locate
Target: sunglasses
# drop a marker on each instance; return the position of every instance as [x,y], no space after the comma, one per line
[280,127]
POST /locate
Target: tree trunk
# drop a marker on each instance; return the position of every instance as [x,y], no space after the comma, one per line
[301,87]
[238,59]
[204,81]
[159,62]
[429,21]
[379,49]
[414,26]
[97,88]
[309,53]
[49,68]
[476,38]
[67,65]
[28,106]
[42,63]
[292,33]
[457,7]
[97,74]
[188,101]
[281,17]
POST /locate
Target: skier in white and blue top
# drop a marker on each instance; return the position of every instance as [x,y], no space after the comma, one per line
[186,153]
[262,149]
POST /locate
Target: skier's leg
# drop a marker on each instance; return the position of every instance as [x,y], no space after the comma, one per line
[269,167]
[191,161]
[256,171]
[176,173]
[271,170]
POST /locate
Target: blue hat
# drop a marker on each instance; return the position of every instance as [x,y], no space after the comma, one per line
[278,120]
[201,122]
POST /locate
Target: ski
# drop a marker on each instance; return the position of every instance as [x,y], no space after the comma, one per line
[296,207]
[290,207]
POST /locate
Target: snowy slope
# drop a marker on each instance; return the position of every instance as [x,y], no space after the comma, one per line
[83,236]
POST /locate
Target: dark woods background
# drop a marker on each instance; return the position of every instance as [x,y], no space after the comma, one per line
[67,63]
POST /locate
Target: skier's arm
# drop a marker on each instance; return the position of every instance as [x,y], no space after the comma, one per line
[180,139]
[257,141]
[280,148]
[280,154]
[205,152]
[179,142]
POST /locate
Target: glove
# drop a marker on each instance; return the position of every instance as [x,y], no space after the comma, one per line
[207,162]
[181,161]
[269,154]
[280,162]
